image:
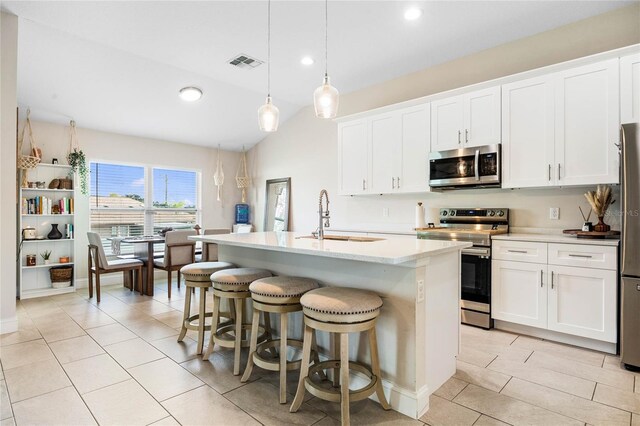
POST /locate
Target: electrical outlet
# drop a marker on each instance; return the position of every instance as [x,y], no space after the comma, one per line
[385,212]
[420,291]
[554,213]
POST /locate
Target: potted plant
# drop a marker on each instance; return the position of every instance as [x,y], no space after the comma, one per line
[46,255]
[77,161]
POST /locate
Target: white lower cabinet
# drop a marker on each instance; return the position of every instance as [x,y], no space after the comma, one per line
[518,293]
[582,302]
[576,300]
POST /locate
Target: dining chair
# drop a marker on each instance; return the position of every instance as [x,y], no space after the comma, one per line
[178,252]
[210,250]
[99,264]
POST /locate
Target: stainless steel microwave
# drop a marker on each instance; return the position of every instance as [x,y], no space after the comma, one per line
[476,167]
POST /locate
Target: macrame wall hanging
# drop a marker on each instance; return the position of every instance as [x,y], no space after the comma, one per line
[28,162]
[218,176]
[243,181]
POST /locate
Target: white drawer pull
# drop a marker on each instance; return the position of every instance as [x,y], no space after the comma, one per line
[517,251]
[585,256]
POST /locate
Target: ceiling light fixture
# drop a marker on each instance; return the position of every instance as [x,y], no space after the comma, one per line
[268,114]
[326,97]
[412,14]
[190,94]
[307,60]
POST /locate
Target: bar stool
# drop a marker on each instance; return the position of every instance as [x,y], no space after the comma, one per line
[233,285]
[279,295]
[342,311]
[198,275]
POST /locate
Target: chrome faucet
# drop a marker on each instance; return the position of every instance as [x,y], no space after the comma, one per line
[323,215]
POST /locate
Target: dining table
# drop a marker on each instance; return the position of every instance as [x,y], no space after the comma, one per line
[143,250]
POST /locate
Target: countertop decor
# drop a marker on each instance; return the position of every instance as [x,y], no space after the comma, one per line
[600,200]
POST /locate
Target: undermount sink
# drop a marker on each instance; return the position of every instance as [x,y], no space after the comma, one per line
[345,238]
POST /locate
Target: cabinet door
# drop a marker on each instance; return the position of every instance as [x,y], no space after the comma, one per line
[352,147]
[414,170]
[528,133]
[384,152]
[587,122]
[630,89]
[447,124]
[582,302]
[519,293]
[482,117]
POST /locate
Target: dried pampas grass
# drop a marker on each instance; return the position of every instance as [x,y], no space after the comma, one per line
[600,199]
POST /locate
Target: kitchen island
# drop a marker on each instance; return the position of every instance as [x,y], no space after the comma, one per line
[418,280]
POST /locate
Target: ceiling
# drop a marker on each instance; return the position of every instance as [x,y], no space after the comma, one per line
[117,66]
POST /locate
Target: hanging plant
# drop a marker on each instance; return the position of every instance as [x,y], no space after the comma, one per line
[77,159]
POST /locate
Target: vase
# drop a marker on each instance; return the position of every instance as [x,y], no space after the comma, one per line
[55,234]
[601,226]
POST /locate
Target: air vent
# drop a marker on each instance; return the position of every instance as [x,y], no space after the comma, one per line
[245,61]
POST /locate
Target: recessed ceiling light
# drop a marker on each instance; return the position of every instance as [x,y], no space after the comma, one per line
[412,13]
[307,60]
[190,94]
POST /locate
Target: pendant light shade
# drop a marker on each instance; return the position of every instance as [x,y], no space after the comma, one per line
[268,114]
[326,97]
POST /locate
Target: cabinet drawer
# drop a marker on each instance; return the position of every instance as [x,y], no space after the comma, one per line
[520,251]
[588,256]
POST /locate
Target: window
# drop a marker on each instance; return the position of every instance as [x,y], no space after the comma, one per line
[136,200]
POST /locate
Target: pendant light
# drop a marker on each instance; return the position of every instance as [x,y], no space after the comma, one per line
[325,97]
[268,114]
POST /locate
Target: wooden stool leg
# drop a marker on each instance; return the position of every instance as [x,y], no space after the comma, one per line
[269,333]
[375,368]
[90,283]
[336,355]
[232,309]
[98,286]
[214,324]
[179,278]
[201,319]
[255,323]
[284,324]
[304,369]
[169,283]
[238,342]
[185,314]
[139,274]
[316,355]
[344,378]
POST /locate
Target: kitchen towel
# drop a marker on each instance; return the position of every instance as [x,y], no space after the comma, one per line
[420,216]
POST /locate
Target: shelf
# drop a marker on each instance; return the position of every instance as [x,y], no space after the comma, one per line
[46,240]
[57,215]
[55,166]
[46,190]
[40,292]
[47,266]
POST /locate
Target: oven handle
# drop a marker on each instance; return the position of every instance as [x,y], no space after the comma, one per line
[475,163]
[478,252]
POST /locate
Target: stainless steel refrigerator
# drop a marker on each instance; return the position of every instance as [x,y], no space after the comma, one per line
[630,262]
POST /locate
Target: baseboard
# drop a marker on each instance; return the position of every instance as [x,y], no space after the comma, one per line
[9,325]
[555,336]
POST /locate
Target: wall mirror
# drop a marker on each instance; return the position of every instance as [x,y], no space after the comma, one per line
[276,214]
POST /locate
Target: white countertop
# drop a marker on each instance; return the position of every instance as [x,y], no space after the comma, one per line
[390,250]
[557,238]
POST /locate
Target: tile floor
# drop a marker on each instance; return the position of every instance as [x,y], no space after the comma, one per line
[73,362]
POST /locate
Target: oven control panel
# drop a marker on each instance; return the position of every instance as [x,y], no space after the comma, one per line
[482,214]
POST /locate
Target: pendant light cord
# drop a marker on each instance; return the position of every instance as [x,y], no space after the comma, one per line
[269,50]
[326,35]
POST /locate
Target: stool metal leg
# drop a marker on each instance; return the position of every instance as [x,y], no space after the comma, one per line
[201,319]
[304,369]
[344,378]
[238,345]
[185,314]
[375,368]
[252,348]
[284,324]
[214,324]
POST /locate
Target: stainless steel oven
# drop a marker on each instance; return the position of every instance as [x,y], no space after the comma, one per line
[466,167]
[475,280]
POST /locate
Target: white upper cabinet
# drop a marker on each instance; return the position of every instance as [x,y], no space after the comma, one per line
[630,89]
[467,120]
[587,124]
[384,142]
[414,170]
[352,157]
[528,133]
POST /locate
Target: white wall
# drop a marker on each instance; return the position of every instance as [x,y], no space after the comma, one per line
[8,84]
[305,148]
[53,139]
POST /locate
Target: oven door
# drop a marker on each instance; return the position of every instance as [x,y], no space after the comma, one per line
[476,279]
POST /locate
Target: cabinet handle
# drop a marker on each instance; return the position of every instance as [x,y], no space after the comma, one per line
[541,275]
[549,172]
[517,251]
[551,280]
[466,135]
[584,256]
[558,171]
[459,134]
[398,182]
[363,184]
[393,183]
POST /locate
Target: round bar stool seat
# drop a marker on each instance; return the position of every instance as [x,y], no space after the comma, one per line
[279,295]
[197,275]
[233,285]
[340,310]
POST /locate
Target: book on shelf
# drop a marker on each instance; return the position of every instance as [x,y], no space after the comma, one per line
[45,205]
[69,231]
